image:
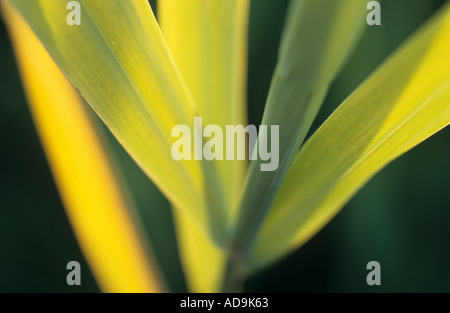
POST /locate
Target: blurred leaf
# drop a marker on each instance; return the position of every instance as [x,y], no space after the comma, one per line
[99,214]
[318,37]
[399,106]
[202,259]
[129,78]
[214,68]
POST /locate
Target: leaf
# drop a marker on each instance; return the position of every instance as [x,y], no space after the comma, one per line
[318,37]
[208,40]
[213,67]
[98,211]
[120,63]
[202,259]
[404,102]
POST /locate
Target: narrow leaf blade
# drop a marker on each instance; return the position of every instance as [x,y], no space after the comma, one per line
[202,259]
[208,40]
[99,213]
[404,102]
[119,61]
[318,38]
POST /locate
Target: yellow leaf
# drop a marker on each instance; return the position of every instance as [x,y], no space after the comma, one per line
[119,61]
[104,226]
[400,105]
[208,40]
[318,38]
[203,261]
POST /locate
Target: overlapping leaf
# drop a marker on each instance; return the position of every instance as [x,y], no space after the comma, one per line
[208,40]
[318,38]
[400,105]
[119,61]
[99,213]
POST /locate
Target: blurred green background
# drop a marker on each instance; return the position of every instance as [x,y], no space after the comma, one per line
[401,218]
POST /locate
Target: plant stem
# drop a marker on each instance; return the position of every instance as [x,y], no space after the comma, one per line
[253,210]
[235,274]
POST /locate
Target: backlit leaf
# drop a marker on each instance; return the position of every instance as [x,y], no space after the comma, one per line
[96,206]
[404,102]
[318,37]
[208,40]
[120,63]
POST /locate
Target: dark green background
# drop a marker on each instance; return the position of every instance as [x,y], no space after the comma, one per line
[400,219]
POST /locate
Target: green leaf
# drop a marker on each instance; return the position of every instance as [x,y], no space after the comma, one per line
[118,60]
[94,203]
[404,102]
[214,68]
[318,37]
